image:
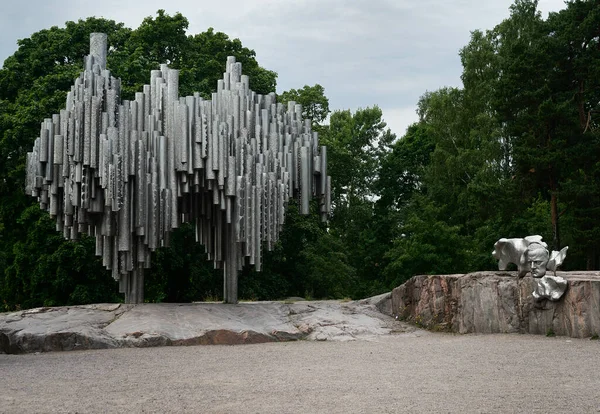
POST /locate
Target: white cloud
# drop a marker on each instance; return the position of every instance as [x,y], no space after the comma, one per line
[398,119]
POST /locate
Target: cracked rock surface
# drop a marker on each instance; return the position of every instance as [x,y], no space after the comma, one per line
[118,325]
[499,302]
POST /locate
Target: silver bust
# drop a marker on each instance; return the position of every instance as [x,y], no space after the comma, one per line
[531,255]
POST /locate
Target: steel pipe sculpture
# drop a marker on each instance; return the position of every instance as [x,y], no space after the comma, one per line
[128,172]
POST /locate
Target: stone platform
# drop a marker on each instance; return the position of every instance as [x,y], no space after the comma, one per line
[499,302]
[122,325]
[482,302]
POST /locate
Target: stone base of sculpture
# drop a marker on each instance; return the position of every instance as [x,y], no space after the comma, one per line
[500,302]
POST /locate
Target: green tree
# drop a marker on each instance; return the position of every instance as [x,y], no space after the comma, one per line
[48,271]
[402,171]
[427,245]
[521,135]
[574,35]
[356,144]
[315,104]
[205,64]
[526,102]
[547,98]
[33,85]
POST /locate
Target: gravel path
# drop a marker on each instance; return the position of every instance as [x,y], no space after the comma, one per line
[418,372]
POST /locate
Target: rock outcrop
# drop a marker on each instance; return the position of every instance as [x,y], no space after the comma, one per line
[144,325]
[499,302]
[483,302]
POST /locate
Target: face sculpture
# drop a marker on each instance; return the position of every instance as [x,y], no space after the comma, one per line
[537,258]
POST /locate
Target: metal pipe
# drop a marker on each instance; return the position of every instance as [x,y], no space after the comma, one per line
[231,163]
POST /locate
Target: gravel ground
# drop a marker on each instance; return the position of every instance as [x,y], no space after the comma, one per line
[419,372]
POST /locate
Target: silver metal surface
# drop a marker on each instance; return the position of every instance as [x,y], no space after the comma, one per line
[531,255]
[229,164]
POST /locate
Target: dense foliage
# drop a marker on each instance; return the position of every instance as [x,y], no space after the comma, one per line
[513,152]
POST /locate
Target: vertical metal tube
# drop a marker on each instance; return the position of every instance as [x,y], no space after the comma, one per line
[136,163]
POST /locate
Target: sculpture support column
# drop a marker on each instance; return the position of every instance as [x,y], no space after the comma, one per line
[230,271]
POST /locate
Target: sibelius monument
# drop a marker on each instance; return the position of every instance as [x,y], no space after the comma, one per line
[129,172]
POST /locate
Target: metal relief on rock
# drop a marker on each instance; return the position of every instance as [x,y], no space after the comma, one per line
[531,255]
[128,172]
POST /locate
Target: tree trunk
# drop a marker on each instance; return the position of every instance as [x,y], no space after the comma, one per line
[592,259]
[581,105]
[554,214]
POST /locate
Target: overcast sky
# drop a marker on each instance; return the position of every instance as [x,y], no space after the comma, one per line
[363,52]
